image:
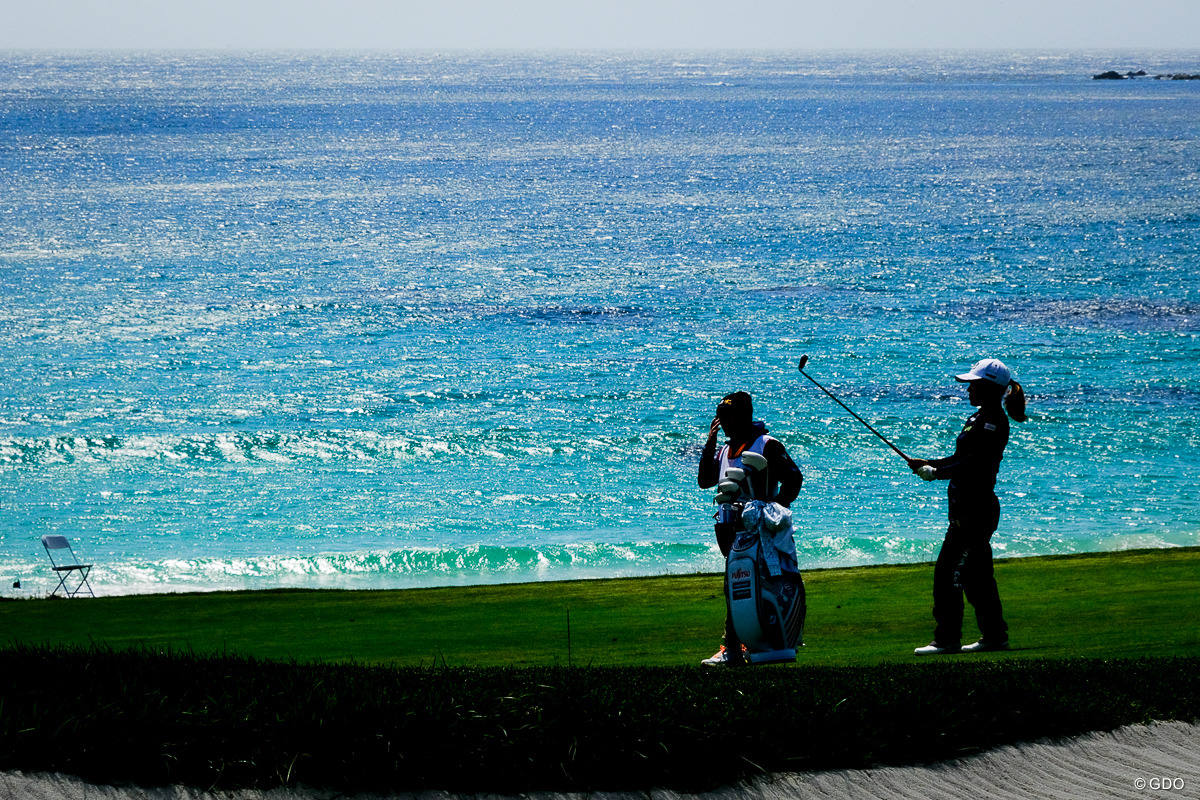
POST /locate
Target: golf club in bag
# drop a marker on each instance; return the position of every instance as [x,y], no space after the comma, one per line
[766,601]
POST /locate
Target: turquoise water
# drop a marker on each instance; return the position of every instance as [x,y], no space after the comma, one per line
[393,320]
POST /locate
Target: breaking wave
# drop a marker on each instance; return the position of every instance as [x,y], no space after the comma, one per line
[394,569]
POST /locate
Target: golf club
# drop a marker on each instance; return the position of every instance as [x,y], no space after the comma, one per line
[803,361]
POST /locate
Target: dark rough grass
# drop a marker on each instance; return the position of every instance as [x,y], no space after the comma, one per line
[113,716]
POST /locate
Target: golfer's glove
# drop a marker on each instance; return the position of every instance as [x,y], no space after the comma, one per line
[927,473]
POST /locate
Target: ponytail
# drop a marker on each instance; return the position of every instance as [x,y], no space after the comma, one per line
[1014,401]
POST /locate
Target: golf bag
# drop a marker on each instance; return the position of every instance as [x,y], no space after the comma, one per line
[768,610]
[763,587]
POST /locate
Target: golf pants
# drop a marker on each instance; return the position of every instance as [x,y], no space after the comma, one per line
[964,566]
[726,533]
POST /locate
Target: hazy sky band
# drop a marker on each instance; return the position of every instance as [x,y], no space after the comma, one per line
[553,24]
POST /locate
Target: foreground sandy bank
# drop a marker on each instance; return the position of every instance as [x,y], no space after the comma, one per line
[1161,759]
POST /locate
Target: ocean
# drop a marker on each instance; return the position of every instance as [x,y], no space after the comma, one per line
[380,320]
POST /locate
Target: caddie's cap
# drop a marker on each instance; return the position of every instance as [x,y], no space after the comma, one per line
[736,406]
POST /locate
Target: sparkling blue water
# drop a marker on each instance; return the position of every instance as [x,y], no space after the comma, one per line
[411,319]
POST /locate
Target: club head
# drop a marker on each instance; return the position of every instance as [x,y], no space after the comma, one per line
[803,361]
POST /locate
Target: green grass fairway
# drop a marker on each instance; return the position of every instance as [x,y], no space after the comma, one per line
[1111,605]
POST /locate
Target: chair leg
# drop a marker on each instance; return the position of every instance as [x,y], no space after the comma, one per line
[83,581]
[67,590]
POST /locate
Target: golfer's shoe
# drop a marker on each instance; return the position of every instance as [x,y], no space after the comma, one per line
[935,649]
[721,658]
[985,646]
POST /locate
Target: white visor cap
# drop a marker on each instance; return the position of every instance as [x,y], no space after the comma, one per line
[990,369]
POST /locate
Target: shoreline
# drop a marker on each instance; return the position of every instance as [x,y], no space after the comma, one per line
[1095,765]
[504,581]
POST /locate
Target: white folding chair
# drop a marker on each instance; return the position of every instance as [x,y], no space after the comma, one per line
[66,570]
